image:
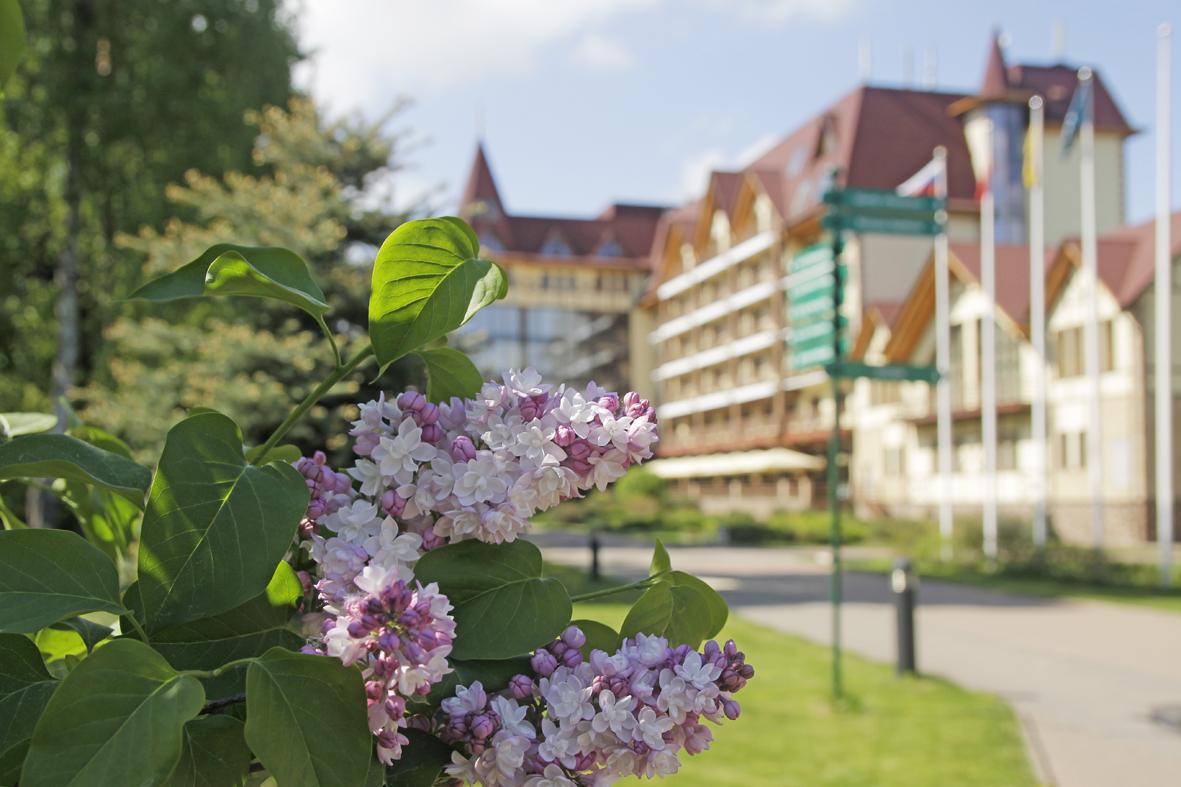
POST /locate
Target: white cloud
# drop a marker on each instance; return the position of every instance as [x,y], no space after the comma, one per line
[372,49]
[598,53]
[779,11]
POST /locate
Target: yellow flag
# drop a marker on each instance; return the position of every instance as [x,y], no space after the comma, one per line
[1028,167]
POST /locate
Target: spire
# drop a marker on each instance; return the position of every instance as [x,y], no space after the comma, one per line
[996,72]
[480,196]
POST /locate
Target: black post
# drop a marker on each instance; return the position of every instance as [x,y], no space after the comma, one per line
[903,583]
[594,550]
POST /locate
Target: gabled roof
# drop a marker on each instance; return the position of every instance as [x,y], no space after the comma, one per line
[1012,292]
[631,226]
[1126,260]
[481,186]
[996,71]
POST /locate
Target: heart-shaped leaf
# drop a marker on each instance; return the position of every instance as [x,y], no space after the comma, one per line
[116,719]
[503,606]
[15,424]
[63,456]
[253,271]
[248,630]
[25,688]
[449,373]
[660,560]
[422,760]
[681,607]
[428,281]
[215,527]
[306,720]
[213,754]
[51,575]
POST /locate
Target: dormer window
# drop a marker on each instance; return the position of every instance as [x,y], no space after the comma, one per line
[609,248]
[490,242]
[555,246]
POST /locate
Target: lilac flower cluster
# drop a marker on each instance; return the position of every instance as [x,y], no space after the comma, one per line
[593,721]
[430,474]
[402,637]
[473,468]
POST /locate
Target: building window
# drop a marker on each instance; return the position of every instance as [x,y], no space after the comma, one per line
[490,242]
[1107,345]
[1072,450]
[556,246]
[610,249]
[1068,352]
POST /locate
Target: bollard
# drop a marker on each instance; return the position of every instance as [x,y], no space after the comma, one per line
[594,550]
[904,583]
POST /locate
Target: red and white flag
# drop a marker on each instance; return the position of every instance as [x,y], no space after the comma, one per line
[922,183]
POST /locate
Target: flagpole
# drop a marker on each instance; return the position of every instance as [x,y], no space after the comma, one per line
[988,349]
[1163,372]
[943,362]
[1091,326]
[1037,316]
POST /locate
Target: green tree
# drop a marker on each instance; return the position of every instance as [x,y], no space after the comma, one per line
[310,193]
[110,102]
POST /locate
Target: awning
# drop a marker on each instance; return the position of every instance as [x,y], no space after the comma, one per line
[735,463]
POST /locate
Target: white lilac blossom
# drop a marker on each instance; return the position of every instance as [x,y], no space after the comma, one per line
[429,474]
[629,713]
[469,468]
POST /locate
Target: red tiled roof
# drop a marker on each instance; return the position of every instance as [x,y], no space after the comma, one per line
[1127,257]
[632,227]
[881,136]
[1012,275]
[1055,84]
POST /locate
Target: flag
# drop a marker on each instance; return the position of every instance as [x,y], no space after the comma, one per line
[921,183]
[1028,165]
[1079,111]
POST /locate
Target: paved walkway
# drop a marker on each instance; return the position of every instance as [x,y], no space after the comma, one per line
[1086,678]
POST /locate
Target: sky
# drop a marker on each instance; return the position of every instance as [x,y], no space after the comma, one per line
[585,102]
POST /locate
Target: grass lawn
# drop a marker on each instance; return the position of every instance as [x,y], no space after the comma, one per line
[889,732]
[1169,600]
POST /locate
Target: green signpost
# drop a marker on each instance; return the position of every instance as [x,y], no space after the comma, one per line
[819,330]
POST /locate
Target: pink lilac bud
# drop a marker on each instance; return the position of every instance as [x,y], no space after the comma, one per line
[564,435]
[463,449]
[431,433]
[571,658]
[731,708]
[609,402]
[483,726]
[520,687]
[579,450]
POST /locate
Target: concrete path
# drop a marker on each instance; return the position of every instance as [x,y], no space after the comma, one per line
[1091,682]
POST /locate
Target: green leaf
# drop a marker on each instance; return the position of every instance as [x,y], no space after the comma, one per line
[493,674]
[660,560]
[88,631]
[253,271]
[503,606]
[51,575]
[306,720]
[682,608]
[423,759]
[213,754]
[15,424]
[599,636]
[449,373]
[428,281]
[107,520]
[25,688]
[117,719]
[248,630]
[11,762]
[12,38]
[215,527]
[280,453]
[62,456]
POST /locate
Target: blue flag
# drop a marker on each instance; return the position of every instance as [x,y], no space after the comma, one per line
[1078,113]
